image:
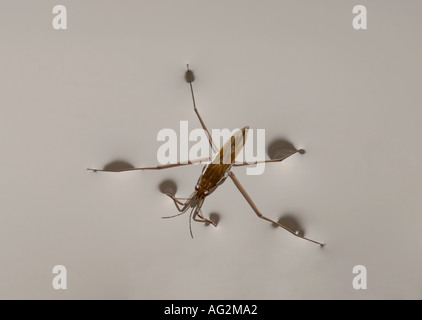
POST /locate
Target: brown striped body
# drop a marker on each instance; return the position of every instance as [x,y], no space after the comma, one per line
[217,171]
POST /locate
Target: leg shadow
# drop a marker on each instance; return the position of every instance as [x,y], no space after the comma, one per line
[280,148]
[214,217]
[189,76]
[118,165]
[291,222]
[168,186]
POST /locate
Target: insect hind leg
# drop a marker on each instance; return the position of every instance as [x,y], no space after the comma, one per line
[190,78]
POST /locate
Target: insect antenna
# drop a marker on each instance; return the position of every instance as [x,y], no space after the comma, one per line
[196,208]
[190,221]
[176,215]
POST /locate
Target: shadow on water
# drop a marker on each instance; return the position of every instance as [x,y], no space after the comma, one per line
[118,165]
[168,186]
[214,217]
[280,148]
[291,222]
[189,76]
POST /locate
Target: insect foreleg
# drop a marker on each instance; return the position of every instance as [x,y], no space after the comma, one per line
[178,202]
[203,219]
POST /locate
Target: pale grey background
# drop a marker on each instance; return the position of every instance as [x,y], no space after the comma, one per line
[101,91]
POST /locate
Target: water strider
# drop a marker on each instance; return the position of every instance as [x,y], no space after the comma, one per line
[215,172]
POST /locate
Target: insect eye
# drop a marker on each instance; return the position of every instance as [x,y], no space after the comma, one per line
[197,187]
[206,192]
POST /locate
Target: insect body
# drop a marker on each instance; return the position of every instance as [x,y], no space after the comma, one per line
[215,173]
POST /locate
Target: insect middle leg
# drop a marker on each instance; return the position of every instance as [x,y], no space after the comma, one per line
[260,215]
[240,164]
[165,166]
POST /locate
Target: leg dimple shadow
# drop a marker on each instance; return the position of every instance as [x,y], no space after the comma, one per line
[292,223]
[118,165]
[214,217]
[168,187]
[280,148]
[189,76]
